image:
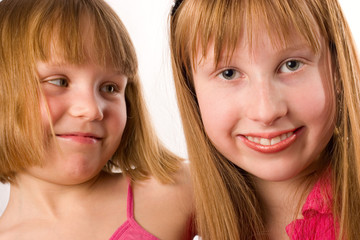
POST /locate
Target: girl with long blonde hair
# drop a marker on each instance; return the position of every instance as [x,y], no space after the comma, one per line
[76,143]
[269,97]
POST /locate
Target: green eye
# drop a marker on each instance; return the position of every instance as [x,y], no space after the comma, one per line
[291,66]
[59,82]
[229,74]
[110,88]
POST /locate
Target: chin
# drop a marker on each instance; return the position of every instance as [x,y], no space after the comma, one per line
[78,174]
[277,175]
[69,180]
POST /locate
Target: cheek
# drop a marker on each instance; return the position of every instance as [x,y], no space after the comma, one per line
[122,120]
[318,97]
[314,104]
[217,113]
[315,107]
[45,112]
[52,109]
[323,119]
[117,119]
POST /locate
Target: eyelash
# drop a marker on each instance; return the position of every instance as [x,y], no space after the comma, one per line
[115,87]
[63,82]
[221,74]
[299,63]
[52,81]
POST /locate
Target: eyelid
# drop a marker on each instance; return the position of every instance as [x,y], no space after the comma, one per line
[238,74]
[301,62]
[115,85]
[52,81]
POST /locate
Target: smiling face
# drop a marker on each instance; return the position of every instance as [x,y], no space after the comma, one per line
[88,113]
[270,109]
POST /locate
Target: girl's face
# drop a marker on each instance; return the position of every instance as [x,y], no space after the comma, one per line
[269,110]
[88,112]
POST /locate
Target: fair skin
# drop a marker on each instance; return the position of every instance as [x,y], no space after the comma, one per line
[70,197]
[270,111]
[88,112]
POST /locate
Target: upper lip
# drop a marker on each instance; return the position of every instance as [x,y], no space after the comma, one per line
[269,135]
[80,134]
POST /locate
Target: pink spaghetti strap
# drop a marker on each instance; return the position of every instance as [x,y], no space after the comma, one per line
[130,229]
[130,202]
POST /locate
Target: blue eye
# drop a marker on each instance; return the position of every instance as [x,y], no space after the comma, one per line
[61,82]
[291,66]
[110,88]
[229,74]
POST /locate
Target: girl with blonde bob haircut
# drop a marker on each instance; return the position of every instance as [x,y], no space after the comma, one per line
[76,143]
[230,201]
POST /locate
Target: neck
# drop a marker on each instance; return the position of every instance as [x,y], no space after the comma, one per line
[282,202]
[33,196]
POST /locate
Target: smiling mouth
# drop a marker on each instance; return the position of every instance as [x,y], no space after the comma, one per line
[267,141]
[80,138]
[273,144]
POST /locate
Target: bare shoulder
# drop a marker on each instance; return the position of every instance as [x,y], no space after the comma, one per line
[182,176]
[8,227]
[104,206]
[166,209]
[11,230]
[7,234]
[180,190]
[4,229]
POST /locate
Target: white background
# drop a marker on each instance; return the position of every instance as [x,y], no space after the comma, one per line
[147,21]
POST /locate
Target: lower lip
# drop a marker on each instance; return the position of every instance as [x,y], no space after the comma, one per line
[79,139]
[272,148]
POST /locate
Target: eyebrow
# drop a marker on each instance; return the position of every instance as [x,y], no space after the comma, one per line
[225,59]
[278,50]
[297,47]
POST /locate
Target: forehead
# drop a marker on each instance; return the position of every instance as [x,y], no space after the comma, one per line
[74,44]
[252,42]
[73,71]
[230,23]
[79,43]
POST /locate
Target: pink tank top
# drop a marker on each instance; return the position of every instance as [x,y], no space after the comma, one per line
[131,230]
[317,222]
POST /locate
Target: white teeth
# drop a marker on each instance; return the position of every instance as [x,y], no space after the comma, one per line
[275,140]
[283,136]
[264,141]
[272,141]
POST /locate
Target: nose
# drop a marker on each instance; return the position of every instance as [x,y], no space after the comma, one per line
[266,103]
[87,105]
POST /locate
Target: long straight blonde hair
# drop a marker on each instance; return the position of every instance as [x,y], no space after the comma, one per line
[28,31]
[227,206]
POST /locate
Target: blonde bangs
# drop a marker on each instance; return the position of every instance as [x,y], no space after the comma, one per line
[223,23]
[73,28]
